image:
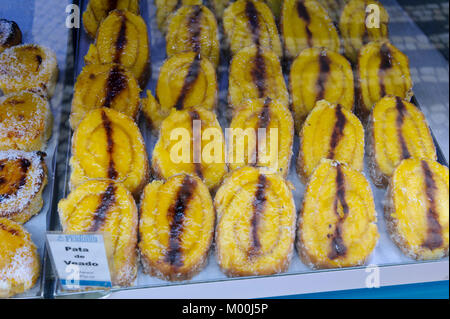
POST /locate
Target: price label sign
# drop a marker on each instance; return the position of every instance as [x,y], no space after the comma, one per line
[80,260]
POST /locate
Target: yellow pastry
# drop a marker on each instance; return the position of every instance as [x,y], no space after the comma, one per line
[416,208]
[176,230]
[330,131]
[104,85]
[108,207]
[25,121]
[10,34]
[165,9]
[306,24]
[108,144]
[337,223]
[255,223]
[248,146]
[194,28]
[28,67]
[23,176]
[317,74]
[397,130]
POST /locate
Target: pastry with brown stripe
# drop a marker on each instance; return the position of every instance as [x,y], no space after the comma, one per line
[104,85]
[28,67]
[25,122]
[316,74]
[250,22]
[122,38]
[306,24]
[166,8]
[330,131]
[397,130]
[255,223]
[108,144]
[97,10]
[191,141]
[175,231]
[382,70]
[272,148]
[194,28]
[23,176]
[108,207]
[19,259]
[255,73]
[337,223]
[416,209]
[10,34]
[361,22]
[185,80]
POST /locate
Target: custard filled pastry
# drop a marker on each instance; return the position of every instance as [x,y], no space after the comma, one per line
[316,74]
[397,130]
[97,10]
[382,70]
[417,209]
[255,223]
[10,34]
[255,73]
[185,80]
[19,260]
[166,8]
[306,24]
[122,38]
[250,22]
[108,207]
[108,144]
[272,148]
[23,176]
[337,223]
[28,67]
[25,121]
[194,28]
[361,22]
[330,131]
[176,230]
[104,85]
[191,141]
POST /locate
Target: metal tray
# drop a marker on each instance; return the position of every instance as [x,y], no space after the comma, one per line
[393,266]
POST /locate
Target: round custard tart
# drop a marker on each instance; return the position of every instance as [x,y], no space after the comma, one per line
[175,231]
[306,24]
[256,73]
[194,28]
[19,260]
[191,142]
[382,70]
[361,22]
[397,130]
[108,144]
[416,209]
[332,132]
[28,67]
[334,8]
[108,207]
[25,121]
[104,85]
[10,34]
[337,223]
[97,10]
[165,9]
[23,176]
[122,38]
[270,148]
[250,22]
[316,74]
[185,80]
[255,223]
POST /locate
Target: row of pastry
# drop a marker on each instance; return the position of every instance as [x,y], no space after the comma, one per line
[28,74]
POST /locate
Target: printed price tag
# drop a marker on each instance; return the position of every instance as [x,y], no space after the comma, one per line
[80,260]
